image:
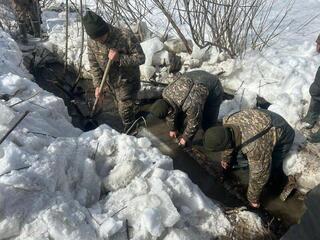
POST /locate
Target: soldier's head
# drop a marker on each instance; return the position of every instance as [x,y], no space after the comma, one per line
[160,109]
[217,139]
[95,26]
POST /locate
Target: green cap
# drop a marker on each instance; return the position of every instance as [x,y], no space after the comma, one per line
[160,109]
[217,139]
[95,26]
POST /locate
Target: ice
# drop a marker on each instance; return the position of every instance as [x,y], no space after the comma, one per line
[183,234]
[89,187]
[109,227]
[9,227]
[122,174]
[11,58]
[7,115]
[52,22]
[151,220]
[13,158]
[150,47]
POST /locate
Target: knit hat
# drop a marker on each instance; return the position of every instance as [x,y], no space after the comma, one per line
[95,26]
[217,139]
[160,109]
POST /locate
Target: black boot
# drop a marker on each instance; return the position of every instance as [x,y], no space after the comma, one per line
[313,114]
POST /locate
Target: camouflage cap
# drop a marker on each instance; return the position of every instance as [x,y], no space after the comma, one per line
[95,26]
[217,139]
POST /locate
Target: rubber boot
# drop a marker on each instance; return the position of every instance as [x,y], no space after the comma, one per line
[313,114]
[23,31]
[315,137]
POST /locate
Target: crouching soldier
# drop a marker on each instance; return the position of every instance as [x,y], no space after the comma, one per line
[262,136]
[314,108]
[122,47]
[196,96]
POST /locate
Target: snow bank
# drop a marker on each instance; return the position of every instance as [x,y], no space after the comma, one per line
[283,72]
[57,182]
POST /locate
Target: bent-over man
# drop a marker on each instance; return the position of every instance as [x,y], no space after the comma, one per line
[262,136]
[196,96]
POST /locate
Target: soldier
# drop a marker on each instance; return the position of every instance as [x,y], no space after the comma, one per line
[262,136]
[314,108]
[122,47]
[28,16]
[196,96]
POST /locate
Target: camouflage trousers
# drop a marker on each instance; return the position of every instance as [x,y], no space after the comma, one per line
[29,20]
[125,95]
[212,107]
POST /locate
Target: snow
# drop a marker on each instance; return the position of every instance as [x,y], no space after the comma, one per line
[57,182]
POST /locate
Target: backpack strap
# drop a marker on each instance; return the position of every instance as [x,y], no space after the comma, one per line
[250,140]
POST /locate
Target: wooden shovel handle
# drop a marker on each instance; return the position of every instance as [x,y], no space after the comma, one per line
[104,78]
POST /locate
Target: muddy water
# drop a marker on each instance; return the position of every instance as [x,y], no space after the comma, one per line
[52,79]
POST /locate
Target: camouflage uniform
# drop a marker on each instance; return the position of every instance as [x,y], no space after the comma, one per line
[28,16]
[198,95]
[124,75]
[265,154]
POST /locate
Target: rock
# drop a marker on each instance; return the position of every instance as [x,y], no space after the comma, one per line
[146,72]
[177,45]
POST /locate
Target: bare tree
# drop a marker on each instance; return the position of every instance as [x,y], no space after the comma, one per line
[233,25]
[67,37]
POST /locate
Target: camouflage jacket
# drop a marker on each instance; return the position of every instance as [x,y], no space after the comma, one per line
[245,125]
[188,96]
[130,57]
[24,6]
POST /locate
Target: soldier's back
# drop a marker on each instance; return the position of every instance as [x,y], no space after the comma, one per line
[203,77]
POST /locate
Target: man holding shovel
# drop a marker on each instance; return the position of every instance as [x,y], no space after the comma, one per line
[121,49]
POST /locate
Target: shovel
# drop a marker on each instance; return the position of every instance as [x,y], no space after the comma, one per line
[87,115]
[105,74]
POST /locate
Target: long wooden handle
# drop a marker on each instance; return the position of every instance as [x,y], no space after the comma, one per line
[104,78]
